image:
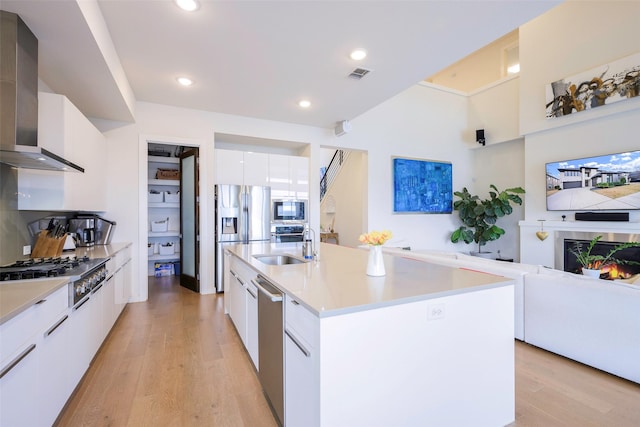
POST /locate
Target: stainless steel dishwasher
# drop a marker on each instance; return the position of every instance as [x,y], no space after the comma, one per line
[270,345]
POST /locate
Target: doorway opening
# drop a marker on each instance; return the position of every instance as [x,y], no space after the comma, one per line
[172,213]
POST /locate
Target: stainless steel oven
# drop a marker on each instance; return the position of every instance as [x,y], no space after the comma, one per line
[285,233]
[84,273]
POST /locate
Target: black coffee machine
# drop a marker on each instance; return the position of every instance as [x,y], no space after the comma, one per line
[85,230]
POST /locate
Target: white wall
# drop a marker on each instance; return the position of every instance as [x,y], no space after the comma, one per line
[348,192]
[495,109]
[559,44]
[422,122]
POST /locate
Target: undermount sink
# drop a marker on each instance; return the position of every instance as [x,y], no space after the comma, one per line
[281,259]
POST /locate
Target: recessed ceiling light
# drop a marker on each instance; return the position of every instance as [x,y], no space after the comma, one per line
[304,103]
[358,54]
[185,81]
[188,5]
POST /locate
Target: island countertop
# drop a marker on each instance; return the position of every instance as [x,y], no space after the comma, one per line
[337,283]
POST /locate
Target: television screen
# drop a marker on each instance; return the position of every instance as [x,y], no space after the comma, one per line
[608,182]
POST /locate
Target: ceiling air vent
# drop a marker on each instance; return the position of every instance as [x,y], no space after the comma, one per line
[359,73]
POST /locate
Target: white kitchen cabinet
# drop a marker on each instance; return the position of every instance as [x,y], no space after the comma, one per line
[279,180]
[299,177]
[229,166]
[227,280]
[255,169]
[164,205]
[80,354]
[241,167]
[123,286]
[252,323]
[54,385]
[301,365]
[96,330]
[29,340]
[19,369]
[243,305]
[289,176]
[63,130]
[19,388]
[237,305]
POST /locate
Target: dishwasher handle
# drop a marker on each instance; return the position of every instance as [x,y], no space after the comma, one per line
[262,286]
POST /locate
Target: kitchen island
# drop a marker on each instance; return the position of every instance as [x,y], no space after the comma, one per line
[424,345]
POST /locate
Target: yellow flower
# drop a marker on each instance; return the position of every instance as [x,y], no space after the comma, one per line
[375,238]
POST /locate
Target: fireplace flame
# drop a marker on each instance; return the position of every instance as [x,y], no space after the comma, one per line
[616,271]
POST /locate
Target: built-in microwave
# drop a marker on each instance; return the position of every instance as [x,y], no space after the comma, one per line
[289,210]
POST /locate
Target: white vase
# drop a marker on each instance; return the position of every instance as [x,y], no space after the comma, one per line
[375,266]
[591,272]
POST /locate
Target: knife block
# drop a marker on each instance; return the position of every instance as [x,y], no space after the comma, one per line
[47,247]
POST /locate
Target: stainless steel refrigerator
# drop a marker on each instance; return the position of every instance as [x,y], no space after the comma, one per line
[242,216]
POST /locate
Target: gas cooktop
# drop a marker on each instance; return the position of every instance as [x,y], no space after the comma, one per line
[35,268]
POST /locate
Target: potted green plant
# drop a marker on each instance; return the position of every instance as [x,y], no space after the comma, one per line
[592,264]
[479,216]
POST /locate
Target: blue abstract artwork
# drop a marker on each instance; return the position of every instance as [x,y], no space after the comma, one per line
[422,186]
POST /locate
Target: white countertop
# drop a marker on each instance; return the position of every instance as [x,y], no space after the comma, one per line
[18,295]
[338,283]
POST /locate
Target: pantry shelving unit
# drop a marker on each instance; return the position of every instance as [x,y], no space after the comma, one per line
[163,210]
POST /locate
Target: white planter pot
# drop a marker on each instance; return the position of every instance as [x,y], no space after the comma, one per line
[591,272]
[487,255]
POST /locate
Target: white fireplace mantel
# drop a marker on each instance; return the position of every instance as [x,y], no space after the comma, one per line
[535,251]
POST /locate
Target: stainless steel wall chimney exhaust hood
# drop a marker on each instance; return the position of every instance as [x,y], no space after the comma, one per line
[19,100]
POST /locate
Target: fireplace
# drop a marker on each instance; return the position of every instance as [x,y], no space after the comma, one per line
[612,271]
[565,260]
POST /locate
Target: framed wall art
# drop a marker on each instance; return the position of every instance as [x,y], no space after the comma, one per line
[422,186]
[604,85]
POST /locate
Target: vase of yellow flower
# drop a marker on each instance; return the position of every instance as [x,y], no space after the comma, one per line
[375,240]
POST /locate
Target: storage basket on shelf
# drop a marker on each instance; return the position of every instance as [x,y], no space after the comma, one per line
[166,248]
[167,174]
[156,196]
[160,225]
[170,197]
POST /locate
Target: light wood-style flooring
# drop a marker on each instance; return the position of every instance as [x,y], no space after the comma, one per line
[176,360]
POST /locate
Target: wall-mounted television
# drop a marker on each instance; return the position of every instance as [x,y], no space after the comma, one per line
[600,183]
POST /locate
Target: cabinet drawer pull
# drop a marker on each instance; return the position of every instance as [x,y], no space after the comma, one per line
[306,352]
[54,327]
[41,301]
[237,277]
[251,293]
[294,302]
[81,304]
[96,289]
[17,360]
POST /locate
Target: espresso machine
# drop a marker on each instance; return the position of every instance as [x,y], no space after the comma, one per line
[84,229]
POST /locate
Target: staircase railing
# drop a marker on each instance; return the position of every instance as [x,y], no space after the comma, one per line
[338,159]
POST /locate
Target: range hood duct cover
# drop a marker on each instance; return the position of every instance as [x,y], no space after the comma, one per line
[19,100]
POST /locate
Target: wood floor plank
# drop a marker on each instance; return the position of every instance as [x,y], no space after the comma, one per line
[176,360]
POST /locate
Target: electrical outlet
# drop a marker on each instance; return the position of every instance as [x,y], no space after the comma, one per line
[26,250]
[435,311]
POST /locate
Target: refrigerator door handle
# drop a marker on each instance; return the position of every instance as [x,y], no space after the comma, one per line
[245,215]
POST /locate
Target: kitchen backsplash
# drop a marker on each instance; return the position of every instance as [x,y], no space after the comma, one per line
[14,233]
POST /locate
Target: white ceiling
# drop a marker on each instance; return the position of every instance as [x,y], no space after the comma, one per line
[255,58]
